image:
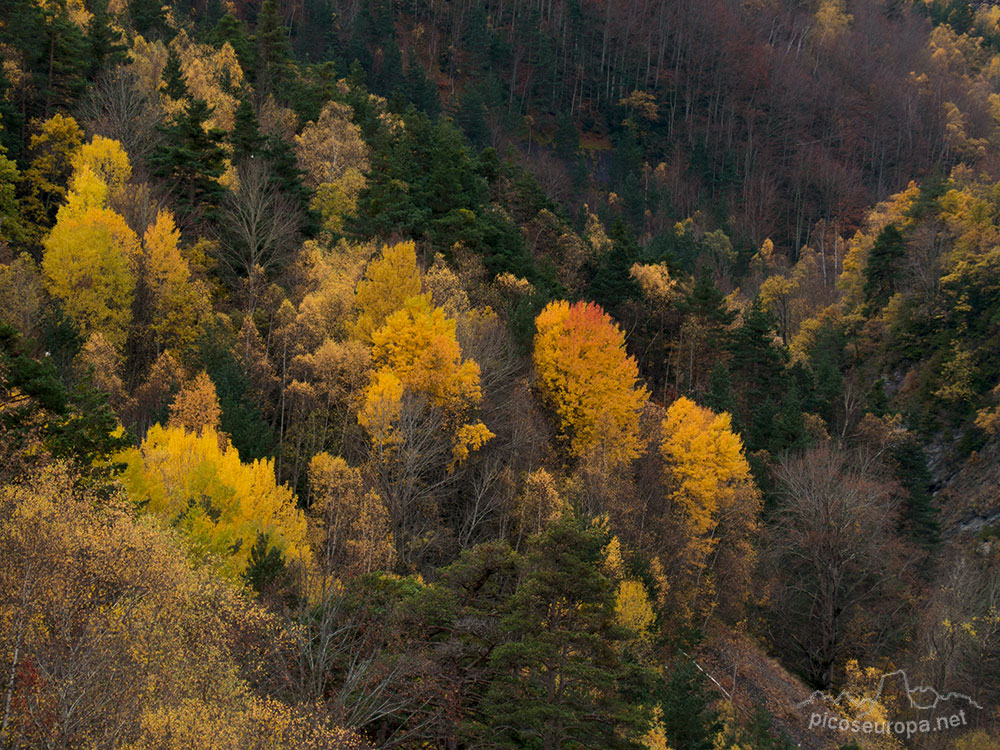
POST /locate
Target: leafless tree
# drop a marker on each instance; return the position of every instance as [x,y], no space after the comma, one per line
[259,226]
[834,559]
[116,107]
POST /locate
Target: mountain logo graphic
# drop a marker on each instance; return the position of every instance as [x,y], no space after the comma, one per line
[921,697]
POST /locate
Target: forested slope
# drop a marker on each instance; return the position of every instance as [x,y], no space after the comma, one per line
[496,374]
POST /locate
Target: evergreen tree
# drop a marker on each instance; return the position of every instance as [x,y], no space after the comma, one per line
[174,84]
[190,161]
[561,682]
[610,280]
[882,268]
[149,19]
[920,518]
[273,60]
[246,138]
[107,48]
[230,29]
[71,422]
[688,719]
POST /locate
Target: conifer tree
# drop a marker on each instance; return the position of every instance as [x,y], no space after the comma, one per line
[561,682]
[190,161]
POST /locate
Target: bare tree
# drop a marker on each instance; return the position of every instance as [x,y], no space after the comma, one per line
[116,107]
[835,561]
[259,226]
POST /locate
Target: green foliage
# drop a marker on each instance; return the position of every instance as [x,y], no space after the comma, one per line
[685,698]
[882,268]
[561,682]
[241,418]
[190,161]
[71,422]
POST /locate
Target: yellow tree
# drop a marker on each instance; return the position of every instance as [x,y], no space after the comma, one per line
[713,496]
[107,159]
[51,150]
[178,303]
[414,410]
[352,531]
[221,504]
[418,346]
[590,382]
[196,407]
[88,264]
[389,281]
[334,158]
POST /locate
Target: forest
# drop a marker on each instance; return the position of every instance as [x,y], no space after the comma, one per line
[453,374]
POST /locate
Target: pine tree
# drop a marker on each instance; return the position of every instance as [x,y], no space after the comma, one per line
[273,60]
[246,138]
[174,84]
[107,48]
[686,701]
[920,516]
[882,269]
[191,161]
[561,682]
[149,19]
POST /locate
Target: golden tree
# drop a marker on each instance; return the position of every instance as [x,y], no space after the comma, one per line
[220,503]
[586,377]
[713,497]
[389,281]
[89,266]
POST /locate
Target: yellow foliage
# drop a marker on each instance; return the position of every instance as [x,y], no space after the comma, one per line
[107,160]
[468,438]
[892,211]
[352,530]
[137,624]
[539,503]
[196,407]
[332,147]
[20,293]
[178,303]
[383,401]
[633,610]
[389,281]
[88,265]
[221,504]
[588,379]
[417,345]
[211,75]
[710,488]
[655,282]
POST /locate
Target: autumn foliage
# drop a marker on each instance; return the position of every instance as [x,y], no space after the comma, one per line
[589,380]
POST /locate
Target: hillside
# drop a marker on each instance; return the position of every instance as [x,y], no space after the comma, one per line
[499,374]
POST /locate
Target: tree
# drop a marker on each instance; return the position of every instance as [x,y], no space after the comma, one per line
[179,303]
[89,266]
[389,281]
[51,150]
[196,407]
[273,60]
[107,160]
[44,419]
[836,563]
[589,381]
[712,493]
[560,681]
[883,267]
[111,633]
[417,346]
[353,534]
[221,504]
[259,225]
[190,161]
